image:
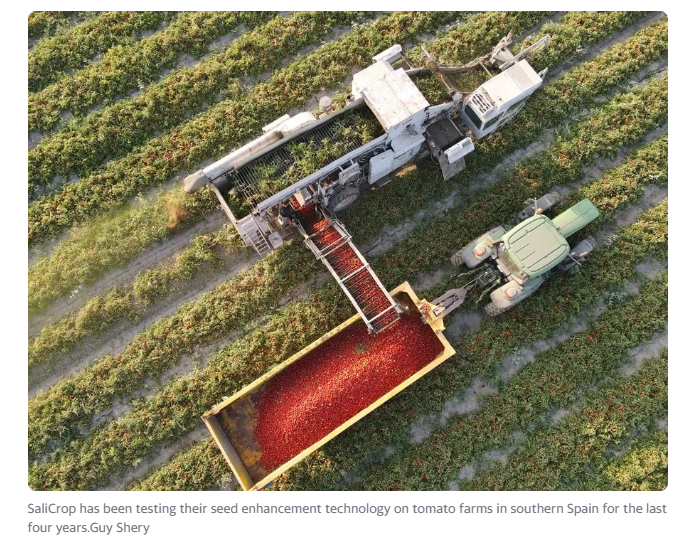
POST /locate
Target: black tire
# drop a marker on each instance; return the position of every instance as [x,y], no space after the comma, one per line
[457,258]
[343,198]
[493,310]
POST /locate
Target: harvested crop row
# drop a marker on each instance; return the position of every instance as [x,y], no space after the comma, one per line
[58,414]
[482,349]
[637,111]
[246,359]
[231,122]
[43,24]
[642,466]
[132,302]
[94,249]
[559,455]
[128,68]
[114,131]
[70,50]
[647,165]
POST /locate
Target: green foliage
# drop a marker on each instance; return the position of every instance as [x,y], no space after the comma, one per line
[642,466]
[555,456]
[43,24]
[126,68]
[58,414]
[72,49]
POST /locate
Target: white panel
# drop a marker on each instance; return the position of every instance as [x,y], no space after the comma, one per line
[380,165]
[458,151]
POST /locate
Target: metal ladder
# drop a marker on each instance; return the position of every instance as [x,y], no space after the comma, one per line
[253,235]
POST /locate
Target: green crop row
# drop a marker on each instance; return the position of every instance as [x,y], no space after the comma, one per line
[127,68]
[59,413]
[130,303]
[200,467]
[559,455]
[634,113]
[43,24]
[296,337]
[72,49]
[114,131]
[230,123]
[643,466]
[482,349]
[93,249]
[547,108]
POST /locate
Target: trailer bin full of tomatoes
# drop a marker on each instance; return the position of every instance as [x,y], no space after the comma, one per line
[275,422]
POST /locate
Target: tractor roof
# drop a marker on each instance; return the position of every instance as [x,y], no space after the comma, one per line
[535,245]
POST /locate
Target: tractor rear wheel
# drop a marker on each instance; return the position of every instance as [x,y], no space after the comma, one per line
[493,310]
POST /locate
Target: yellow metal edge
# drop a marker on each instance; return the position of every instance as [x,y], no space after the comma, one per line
[231,455]
[437,326]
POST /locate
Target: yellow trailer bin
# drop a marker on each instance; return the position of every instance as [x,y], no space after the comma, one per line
[232,422]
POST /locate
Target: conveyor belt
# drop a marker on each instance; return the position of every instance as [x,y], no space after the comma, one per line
[253,181]
[331,243]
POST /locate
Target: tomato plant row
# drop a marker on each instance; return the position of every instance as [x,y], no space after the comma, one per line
[128,68]
[556,456]
[247,358]
[43,24]
[70,50]
[92,250]
[479,351]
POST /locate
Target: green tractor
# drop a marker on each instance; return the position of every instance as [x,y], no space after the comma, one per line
[511,262]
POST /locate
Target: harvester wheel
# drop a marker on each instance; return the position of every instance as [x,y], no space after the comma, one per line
[342,199]
[493,310]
